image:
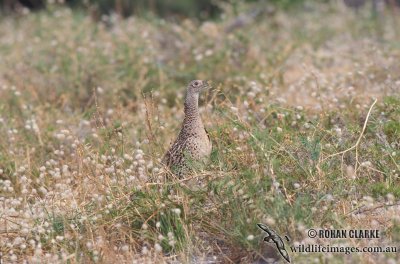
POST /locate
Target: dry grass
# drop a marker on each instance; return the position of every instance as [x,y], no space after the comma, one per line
[87,111]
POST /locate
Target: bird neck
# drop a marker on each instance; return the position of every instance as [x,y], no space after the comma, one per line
[192,113]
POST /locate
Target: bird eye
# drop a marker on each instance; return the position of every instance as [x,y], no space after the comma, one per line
[196,83]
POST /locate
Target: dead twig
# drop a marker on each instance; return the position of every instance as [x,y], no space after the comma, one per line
[355,146]
[362,209]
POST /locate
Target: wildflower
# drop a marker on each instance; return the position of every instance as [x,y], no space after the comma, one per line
[338,131]
[199,57]
[350,172]
[145,250]
[157,247]
[60,136]
[234,109]
[329,197]
[366,164]
[100,90]
[270,221]
[250,237]
[276,184]
[368,199]
[177,211]
[89,245]
[390,197]
[125,248]
[172,243]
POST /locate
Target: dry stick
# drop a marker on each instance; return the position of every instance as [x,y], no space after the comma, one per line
[9,231]
[360,210]
[94,95]
[39,136]
[355,146]
[150,136]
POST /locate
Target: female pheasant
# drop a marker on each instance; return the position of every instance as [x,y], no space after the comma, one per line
[193,143]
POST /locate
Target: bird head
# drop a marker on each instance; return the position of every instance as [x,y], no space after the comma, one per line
[198,86]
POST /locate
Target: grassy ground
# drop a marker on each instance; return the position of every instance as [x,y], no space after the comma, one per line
[87,111]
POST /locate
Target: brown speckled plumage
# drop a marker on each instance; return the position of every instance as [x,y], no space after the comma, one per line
[193,142]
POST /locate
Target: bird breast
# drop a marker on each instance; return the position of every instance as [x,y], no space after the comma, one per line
[202,145]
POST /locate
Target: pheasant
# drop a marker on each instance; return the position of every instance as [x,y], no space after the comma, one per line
[193,143]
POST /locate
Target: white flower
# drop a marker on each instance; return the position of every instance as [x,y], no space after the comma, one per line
[368,199]
[145,250]
[125,248]
[270,221]
[329,197]
[276,184]
[208,52]
[60,136]
[199,57]
[250,237]
[89,245]
[366,164]
[157,247]
[177,211]
[390,197]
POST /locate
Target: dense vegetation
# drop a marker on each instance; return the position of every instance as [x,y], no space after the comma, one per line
[165,8]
